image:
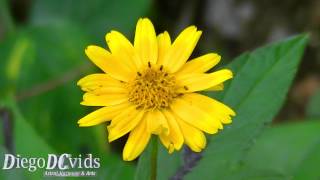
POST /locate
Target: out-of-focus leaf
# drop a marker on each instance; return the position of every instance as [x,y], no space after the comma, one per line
[309,167]
[47,91]
[16,52]
[313,107]
[45,83]
[6,22]
[147,162]
[256,93]
[8,174]
[27,142]
[96,16]
[291,150]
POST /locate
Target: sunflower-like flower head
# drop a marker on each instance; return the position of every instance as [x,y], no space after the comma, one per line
[150,88]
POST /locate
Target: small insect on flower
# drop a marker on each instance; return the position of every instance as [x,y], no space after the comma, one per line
[150,88]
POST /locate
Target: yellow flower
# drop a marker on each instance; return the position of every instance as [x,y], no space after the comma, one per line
[149,88]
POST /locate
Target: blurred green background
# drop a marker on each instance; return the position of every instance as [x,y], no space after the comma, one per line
[42,56]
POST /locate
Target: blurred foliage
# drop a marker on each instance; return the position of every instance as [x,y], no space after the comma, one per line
[313,107]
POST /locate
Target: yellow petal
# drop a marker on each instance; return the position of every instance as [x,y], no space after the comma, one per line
[199,82]
[193,115]
[200,101]
[98,79]
[99,84]
[122,50]
[218,87]
[90,99]
[181,49]
[175,138]
[102,115]
[145,41]
[167,142]
[217,110]
[193,137]
[124,123]
[107,90]
[200,64]
[164,43]
[156,122]
[105,61]
[136,143]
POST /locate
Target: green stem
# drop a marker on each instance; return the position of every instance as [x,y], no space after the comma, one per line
[154,158]
[147,165]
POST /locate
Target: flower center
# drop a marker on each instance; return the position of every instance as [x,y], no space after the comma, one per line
[152,89]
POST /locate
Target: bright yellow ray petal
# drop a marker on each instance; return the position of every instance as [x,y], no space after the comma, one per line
[193,115]
[105,61]
[217,110]
[199,82]
[124,123]
[199,101]
[102,115]
[175,137]
[193,137]
[145,41]
[181,49]
[99,79]
[100,84]
[218,87]
[123,50]
[164,43]
[136,143]
[90,99]
[166,141]
[200,64]
[156,122]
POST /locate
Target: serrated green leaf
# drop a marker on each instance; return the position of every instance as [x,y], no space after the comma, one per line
[256,93]
[169,164]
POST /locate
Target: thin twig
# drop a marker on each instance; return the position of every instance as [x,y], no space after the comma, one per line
[52,84]
[7,122]
[190,160]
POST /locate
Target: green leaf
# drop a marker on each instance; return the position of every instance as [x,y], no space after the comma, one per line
[256,93]
[147,165]
[96,17]
[27,142]
[42,65]
[16,52]
[8,174]
[47,92]
[313,110]
[168,164]
[291,150]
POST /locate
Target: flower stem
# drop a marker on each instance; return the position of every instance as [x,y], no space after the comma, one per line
[154,158]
